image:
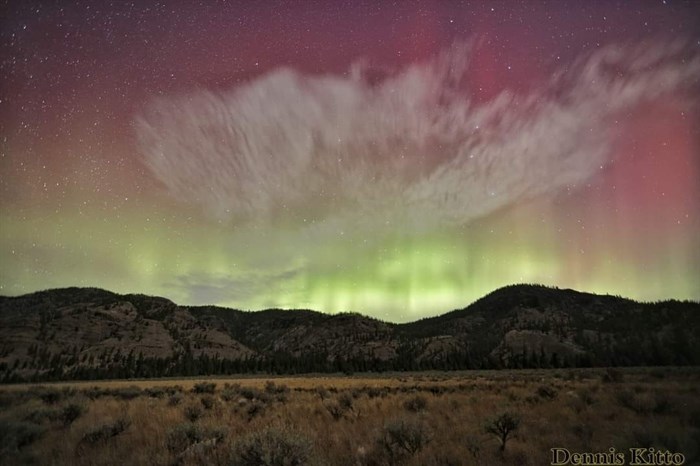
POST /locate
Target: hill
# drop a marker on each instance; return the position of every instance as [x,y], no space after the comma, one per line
[88,333]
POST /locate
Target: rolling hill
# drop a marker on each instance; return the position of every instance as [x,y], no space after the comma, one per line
[88,333]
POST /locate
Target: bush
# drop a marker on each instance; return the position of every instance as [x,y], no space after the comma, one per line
[255,408]
[155,392]
[335,410]
[15,435]
[229,394]
[546,392]
[50,396]
[66,415]
[322,393]
[403,436]
[437,390]
[182,436]
[644,403]
[272,447]
[127,393]
[273,389]
[345,401]
[343,404]
[106,431]
[250,393]
[374,392]
[409,434]
[38,416]
[502,426]
[11,398]
[207,402]
[204,387]
[415,404]
[94,392]
[193,412]
[71,412]
[175,399]
[173,389]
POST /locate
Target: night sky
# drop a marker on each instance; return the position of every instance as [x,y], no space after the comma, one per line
[398,159]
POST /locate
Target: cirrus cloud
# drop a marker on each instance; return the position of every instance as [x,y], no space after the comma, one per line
[413,148]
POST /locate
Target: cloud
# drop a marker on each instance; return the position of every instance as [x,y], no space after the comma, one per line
[411,149]
[198,288]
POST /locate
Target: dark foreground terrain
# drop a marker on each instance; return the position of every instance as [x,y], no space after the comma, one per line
[435,418]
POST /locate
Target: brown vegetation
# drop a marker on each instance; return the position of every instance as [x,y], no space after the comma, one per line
[420,419]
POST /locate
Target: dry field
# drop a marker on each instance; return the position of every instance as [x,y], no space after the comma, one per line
[413,419]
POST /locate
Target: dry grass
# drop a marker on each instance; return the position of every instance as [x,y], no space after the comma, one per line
[420,419]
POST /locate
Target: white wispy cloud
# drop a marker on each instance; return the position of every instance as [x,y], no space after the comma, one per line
[412,148]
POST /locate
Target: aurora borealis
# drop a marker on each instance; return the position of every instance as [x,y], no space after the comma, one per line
[394,159]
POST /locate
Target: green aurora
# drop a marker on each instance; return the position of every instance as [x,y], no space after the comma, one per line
[399,161]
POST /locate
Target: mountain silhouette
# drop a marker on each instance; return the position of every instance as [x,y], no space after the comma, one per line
[89,333]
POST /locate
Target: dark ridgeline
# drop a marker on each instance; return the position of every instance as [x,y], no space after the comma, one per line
[88,333]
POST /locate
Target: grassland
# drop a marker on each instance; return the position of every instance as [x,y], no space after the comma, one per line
[413,419]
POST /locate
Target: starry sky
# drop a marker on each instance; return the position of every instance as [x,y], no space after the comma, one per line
[397,159]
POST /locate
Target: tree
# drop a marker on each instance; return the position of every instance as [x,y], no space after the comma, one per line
[502,426]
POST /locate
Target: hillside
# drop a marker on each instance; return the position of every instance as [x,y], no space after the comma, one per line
[86,333]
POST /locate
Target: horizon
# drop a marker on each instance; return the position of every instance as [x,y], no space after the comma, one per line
[392,160]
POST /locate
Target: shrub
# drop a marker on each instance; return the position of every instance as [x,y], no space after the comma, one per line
[182,436]
[175,399]
[12,398]
[38,416]
[15,435]
[255,408]
[207,402]
[403,436]
[66,415]
[322,393]
[415,404]
[502,426]
[155,392]
[71,412]
[127,393]
[204,387]
[250,393]
[437,390]
[473,446]
[193,412]
[50,396]
[342,405]
[644,403]
[274,389]
[272,446]
[345,401]
[374,392]
[229,394]
[546,392]
[106,431]
[95,392]
[335,410]
[172,389]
